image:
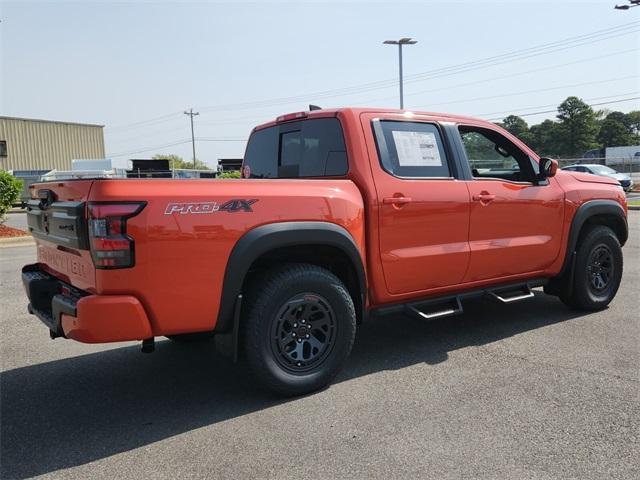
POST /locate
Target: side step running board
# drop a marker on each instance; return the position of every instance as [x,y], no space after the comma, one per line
[433,310]
[445,306]
[511,295]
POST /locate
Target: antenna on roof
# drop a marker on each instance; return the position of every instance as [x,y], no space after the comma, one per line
[314,107]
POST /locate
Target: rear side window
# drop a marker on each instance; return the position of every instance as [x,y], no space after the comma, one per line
[309,148]
[411,149]
[262,153]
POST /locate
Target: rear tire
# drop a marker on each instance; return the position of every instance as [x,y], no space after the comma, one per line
[598,270]
[298,328]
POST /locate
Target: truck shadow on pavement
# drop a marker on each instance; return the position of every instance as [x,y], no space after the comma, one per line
[70,412]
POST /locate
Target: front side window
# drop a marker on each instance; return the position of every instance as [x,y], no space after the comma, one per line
[491,155]
[411,149]
[307,148]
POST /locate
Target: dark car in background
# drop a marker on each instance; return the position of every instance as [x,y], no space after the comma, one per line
[604,171]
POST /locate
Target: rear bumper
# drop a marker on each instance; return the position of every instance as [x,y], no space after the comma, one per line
[71,313]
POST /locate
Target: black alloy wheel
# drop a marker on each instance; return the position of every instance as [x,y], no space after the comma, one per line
[304,332]
[600,268]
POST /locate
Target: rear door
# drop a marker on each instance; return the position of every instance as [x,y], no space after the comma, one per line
[516,222]
[423,207]
[56,218]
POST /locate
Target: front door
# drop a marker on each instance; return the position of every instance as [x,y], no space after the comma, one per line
[516,222]
[423,208]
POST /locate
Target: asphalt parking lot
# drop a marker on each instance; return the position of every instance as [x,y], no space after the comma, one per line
[528,390]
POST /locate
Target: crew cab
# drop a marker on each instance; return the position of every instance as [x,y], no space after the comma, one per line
[341,215]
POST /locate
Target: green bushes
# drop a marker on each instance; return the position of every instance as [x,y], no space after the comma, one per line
[10,188]
[230,174]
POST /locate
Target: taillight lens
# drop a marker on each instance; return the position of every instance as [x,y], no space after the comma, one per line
[111,247]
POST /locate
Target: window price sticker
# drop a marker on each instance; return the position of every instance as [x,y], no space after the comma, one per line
[417,149]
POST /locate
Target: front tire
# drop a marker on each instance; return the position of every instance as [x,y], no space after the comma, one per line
[598,270]
[299,327]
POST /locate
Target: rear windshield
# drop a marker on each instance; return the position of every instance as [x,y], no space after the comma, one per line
[308,148]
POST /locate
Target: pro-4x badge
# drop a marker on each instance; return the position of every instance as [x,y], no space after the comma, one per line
[231,206]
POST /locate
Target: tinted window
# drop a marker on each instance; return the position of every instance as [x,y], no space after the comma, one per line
[411,149]
[262,153]
[492,155]
[309,148]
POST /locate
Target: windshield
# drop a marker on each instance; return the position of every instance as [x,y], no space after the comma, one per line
[602,170]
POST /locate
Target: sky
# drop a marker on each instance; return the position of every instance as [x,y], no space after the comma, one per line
[136,66]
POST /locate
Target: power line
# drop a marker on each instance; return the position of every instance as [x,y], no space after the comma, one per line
[429,75]
[502,77]
[555,110]
[146,149]
[211,139]
[265,118]
[525,92]
[149,134]
[150,121]
[173,144]
[548,48]
[543,49]
[480,115]
[253,119]
[227,139]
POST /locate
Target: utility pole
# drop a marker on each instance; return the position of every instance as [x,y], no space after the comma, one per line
[400,43]
[192,114]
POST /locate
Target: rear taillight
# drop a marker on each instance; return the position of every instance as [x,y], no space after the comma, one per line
[110,245]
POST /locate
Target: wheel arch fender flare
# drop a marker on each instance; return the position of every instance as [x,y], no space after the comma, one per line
[263,239]
[587,211]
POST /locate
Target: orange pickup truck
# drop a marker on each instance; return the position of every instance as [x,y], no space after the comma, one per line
[341,215]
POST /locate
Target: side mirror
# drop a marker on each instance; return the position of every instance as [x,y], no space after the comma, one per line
[548,167]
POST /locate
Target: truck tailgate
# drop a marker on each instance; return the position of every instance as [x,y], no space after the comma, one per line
[56,217]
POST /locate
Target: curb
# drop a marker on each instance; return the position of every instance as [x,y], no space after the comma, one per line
[633,207]
[17,241]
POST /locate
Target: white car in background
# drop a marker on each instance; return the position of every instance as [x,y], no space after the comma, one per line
[604,171]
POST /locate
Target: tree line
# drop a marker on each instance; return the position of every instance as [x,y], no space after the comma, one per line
[578,129]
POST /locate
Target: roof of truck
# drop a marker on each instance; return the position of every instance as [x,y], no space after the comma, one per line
[332,112]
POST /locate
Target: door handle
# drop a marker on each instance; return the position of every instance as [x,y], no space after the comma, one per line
[396,200]
[484,197]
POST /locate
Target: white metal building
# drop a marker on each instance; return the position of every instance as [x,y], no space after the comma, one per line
[28,144]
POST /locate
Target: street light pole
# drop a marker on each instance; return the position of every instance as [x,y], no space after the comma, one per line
[400,71]
[192,114]
[632,3]
[400,43]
